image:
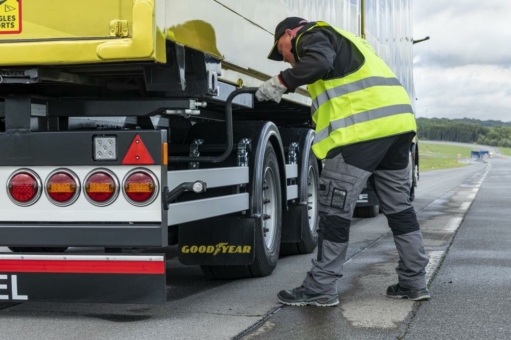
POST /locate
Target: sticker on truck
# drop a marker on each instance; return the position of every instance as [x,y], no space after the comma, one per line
[10,17]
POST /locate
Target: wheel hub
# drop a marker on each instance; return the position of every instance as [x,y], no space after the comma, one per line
[269,208]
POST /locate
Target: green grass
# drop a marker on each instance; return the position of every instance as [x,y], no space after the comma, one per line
[439,156]
[505,151]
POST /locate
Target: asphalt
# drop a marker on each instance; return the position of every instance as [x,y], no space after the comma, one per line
[472,290]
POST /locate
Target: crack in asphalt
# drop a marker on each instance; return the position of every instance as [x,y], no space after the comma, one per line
[257,324]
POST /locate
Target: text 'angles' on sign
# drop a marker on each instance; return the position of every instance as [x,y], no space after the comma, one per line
[10,16]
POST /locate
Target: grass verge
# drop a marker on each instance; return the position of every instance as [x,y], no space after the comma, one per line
[504,151]
[434,156]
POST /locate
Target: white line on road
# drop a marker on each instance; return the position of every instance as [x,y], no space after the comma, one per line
[465,205]
[434,260]
[471,196]
[453,224]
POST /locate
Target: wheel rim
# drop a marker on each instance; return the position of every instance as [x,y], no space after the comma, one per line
[312,198]
[269,208]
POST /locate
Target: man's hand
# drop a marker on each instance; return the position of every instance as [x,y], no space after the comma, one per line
[272,89]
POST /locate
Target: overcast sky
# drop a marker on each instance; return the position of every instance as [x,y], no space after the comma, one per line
[464,70]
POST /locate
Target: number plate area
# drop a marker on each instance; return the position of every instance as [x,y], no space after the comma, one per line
[101,278]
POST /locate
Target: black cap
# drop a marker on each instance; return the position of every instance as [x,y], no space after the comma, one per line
[286,24]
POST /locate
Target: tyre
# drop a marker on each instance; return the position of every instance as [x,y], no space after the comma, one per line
[370,211]
[268,228]
[309,239]
[38,249]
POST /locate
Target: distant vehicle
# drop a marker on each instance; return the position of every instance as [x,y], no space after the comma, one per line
[480,155]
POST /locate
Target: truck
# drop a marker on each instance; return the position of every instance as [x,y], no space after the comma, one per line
[130,125]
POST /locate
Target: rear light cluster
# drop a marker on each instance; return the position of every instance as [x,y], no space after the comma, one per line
[24,187]
[100,187]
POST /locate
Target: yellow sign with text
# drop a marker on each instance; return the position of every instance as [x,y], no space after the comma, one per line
[10,16]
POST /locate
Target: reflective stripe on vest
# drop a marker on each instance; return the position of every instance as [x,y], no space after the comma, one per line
[352,87]
[361,117]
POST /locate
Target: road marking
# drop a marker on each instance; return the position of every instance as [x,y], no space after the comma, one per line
[434,260]
[471,196]
[475,190]
[453,224]
[465,205]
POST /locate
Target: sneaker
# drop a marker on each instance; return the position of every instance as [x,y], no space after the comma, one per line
[301,296]
[398,292]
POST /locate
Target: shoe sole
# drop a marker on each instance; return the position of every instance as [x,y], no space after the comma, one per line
[309,303]
[418,298]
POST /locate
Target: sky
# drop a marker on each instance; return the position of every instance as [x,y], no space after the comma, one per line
[464,70]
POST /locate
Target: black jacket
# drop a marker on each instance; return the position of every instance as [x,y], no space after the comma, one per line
[324,54]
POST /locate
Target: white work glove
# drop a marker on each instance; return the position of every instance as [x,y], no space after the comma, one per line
[272,89]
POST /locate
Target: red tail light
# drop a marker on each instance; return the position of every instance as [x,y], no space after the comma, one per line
[24,187]
[62,187]
[101,187]
[140,187]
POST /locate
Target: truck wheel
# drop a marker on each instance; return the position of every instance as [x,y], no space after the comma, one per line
[364,212]
[268,229]
[38,249]
[309,239]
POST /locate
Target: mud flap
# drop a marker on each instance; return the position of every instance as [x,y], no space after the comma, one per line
[295,222]
[227,241]
[112,278]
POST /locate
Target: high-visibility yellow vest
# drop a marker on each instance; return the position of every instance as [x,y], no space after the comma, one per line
[367,104]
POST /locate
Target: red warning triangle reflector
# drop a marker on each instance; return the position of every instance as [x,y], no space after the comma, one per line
[137,153]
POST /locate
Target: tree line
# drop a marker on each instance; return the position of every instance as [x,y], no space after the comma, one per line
[489,132]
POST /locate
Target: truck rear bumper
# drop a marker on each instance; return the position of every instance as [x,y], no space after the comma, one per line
[87,278]
[82,235]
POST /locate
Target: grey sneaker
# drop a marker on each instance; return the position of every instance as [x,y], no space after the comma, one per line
[398,292]
[301,296]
